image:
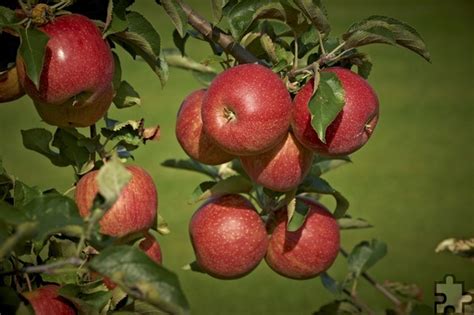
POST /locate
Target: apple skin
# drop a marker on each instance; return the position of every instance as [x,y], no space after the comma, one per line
[45,301]
[282,168]
[246,110]
[75,88]
[134,211]
[228,237]
[194,141]
[10,87]
[353,126]
[307,252]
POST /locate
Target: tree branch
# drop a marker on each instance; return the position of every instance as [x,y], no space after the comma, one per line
[216,35]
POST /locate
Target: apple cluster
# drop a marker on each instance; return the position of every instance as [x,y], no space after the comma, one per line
[248,113]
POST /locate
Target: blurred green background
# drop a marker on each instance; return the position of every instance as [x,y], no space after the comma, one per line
[413,181]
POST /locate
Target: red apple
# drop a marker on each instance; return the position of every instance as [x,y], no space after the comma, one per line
[353,126]
[134,211]
[282,168]
[75,88]
[10,87]
[46,301]
[228,237]
[307,252]
[247,110]
[194,141]
[150,246]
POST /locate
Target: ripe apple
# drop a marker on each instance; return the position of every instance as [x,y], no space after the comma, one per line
[228,237]
[10,87]
[282,168]
[45,301]
[134,211]
[246,110]
[353,126]
[75,87]
[194,141]
[307,252]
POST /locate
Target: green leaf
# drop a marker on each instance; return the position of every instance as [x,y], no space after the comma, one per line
[11,215]
[117,19]
[111,179]
[315,12]
[176,14]
[7,17]
[38,140]
[67,141]
[32,50]
[52,212]
[298,217]
[348,223]
[192,165]
[385,30]
[141,278]
[364,255]
[231,185]
[143,40]
[331,284]
[87,303]
[241,16]
[322,165]
[23,193]
[340,307]
[180,42]
[318,185]
[23,232]
[175,59]
[126,96]
[118,71]
[217,6]
[326,103]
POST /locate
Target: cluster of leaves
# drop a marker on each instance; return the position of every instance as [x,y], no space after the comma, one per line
[44,240]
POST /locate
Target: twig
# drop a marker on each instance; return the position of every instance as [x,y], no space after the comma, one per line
[358,302]
[389,295]
[213,33]
[47,268]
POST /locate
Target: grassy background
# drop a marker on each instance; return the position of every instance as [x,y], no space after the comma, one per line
[413,180]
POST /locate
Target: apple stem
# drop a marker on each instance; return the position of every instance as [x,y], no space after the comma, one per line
[28,281]
[389,295]
[229,114]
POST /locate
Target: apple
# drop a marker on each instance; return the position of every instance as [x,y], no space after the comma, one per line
[134,211]
[45,301]
[150,246]
[246,110]
[310,250]
[282,168]
[10,87]
[228,237]
[194,141]
[353,126]
[75,87]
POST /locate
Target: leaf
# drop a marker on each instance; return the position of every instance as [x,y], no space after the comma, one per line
[460,247]
[140,308]
[192,165]
[111,179]
[7,17]
[141,278]
[11,215]
[52,212]
[348,223]
[23,232]
[205,78]
[241,16]
[340,307]
[126,96]
[217,6]
[409,291]
[32,50]
[162,227]
[175,59]
[67,141]
[230,185]
[87,303]
[326,103]
[38,140]
[297,219]
[322,165]
[364,255]
[330,284]
[385,30]
[180,42]
[129,134]
[117,20]
[320,186]
[23,194]
[176,14]
[315,12]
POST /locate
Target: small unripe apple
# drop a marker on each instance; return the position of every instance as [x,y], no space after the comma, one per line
[228,237]
[75,86]
[46,301]
[10,87]
[134,211]
[310,250]
[194,141]
[246,110]
[353,126]
[282,168]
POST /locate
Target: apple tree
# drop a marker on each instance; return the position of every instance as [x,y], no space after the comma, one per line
[284,101]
